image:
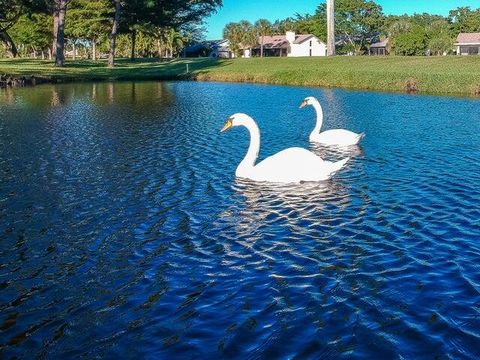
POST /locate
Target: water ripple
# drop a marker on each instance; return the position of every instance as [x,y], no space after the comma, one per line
[125,234]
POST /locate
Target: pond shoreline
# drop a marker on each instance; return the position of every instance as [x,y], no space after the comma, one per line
[32,81]
[443,76]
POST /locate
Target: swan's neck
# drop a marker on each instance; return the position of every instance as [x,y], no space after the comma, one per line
[318,109]
[251,157]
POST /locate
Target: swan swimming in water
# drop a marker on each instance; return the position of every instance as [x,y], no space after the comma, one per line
[291,165]
[339,137]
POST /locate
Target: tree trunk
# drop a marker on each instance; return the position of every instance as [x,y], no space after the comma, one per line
[330,27]
[43,55]
[9,44]
[60,43]
[94,49]
[159,49]
[74,51]
[113,36]
[55,29]
[261,47]
[49,54]
[133,36]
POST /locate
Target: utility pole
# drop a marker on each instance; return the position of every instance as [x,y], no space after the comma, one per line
[330,27]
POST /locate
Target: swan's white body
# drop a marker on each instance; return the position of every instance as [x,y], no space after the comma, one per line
[291,165]
[338,137]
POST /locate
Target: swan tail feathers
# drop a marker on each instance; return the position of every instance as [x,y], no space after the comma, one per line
[361,136]
[339,165]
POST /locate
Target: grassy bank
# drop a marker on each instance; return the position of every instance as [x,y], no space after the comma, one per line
[434,75]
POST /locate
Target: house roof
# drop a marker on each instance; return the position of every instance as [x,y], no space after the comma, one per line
[301,38]
[281,42]
[380,44]
[273,42]
[468,38]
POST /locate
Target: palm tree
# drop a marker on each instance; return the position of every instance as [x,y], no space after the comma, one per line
[168,40]
[248,34]
[172,40]
[263,28]
[234,34]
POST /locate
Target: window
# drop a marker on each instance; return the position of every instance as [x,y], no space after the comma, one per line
[470,50]
[310,52]
[473,50]
[310,43]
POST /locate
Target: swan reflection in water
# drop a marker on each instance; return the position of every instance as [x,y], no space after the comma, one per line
[300,207]
[337,152]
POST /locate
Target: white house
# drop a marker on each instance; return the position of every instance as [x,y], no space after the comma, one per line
[290,45]
[468,44]
[221,49]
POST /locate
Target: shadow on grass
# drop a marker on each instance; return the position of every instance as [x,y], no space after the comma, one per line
[159,70]
[125,69]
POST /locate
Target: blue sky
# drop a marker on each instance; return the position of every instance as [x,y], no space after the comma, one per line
[235,10]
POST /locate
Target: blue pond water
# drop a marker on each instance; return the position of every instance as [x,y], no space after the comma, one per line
[125,234]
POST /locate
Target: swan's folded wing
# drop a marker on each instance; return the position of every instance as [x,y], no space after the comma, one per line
[293,164]
[291,158]
[338,136]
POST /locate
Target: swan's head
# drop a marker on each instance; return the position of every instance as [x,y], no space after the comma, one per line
[236,120]
[308,101]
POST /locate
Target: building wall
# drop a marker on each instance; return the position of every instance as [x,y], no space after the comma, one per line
[318,48]
[297,50]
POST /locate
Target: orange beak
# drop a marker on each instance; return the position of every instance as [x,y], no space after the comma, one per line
[303,104]
[227,126]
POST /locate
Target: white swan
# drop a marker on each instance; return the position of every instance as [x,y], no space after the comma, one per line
[291,165]
[339,137]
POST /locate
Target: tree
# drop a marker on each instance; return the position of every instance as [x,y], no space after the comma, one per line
[113,35]
[263,28]
[241,35]
[59,12]
[440,37]
[249,35]
[136,16]
[10,13]
[172,40]
[312,24]
[34,33]
[399,27]
[89,21]
[441,44]
[464,19]
[234,34]
[280,27]
[174,14]
[410,42]
[357,22]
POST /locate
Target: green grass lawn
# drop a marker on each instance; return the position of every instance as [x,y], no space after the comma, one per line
[436,75]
